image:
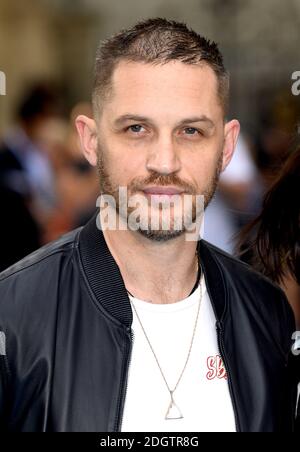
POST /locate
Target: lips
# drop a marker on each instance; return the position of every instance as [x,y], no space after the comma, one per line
[162,191]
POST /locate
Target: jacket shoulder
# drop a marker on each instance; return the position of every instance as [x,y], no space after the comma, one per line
[29,294]
[240,270]
[60,246]
[258,294]
[29,289]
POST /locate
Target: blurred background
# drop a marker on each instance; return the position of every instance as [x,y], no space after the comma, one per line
[47,50]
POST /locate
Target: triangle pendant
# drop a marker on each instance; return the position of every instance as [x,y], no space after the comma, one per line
[173,411]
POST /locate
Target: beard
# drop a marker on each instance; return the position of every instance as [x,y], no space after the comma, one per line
[136,186]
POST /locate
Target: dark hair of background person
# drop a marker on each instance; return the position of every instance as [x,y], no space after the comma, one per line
[40,100]
[156,41]
[20,232]
[271,243]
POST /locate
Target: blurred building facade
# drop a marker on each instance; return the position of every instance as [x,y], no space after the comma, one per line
[56,39]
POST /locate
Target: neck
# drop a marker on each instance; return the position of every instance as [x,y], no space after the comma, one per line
[157,272]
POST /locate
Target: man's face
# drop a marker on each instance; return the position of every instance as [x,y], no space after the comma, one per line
[162,133]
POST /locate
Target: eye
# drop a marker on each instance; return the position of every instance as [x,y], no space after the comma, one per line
[191,131]
[136,128]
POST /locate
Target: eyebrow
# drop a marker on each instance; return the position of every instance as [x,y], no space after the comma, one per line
[131,117]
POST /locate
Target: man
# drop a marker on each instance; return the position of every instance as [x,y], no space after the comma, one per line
[131,326]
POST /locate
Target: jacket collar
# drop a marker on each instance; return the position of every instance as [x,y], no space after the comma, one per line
[105,280]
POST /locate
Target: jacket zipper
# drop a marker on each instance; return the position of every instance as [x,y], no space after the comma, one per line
[222,354]
[123,391]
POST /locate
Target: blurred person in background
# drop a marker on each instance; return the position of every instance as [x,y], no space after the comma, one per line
[25,166]
[253,168]
[277,134]
[19,232]
[271,243]
[27,182]
[47,187]
[26,178]
[76,182]
[237,199]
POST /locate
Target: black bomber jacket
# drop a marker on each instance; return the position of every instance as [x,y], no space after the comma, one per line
[66,339]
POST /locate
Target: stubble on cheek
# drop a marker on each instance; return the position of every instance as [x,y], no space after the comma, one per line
[108,186]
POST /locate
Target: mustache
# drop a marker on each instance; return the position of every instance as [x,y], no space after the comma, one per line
[154,178]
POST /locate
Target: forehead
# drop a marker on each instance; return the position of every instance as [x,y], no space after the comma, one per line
[164,89]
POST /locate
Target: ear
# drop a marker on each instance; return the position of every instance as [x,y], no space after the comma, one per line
[87,131]
[231,133]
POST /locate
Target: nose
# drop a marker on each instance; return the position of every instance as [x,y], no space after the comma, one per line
[163,157]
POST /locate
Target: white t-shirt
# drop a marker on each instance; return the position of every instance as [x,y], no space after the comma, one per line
[202,395]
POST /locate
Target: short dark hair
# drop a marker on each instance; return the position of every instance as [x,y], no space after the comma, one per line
[157,41]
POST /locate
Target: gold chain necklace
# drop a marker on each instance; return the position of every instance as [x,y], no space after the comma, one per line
[173,411]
